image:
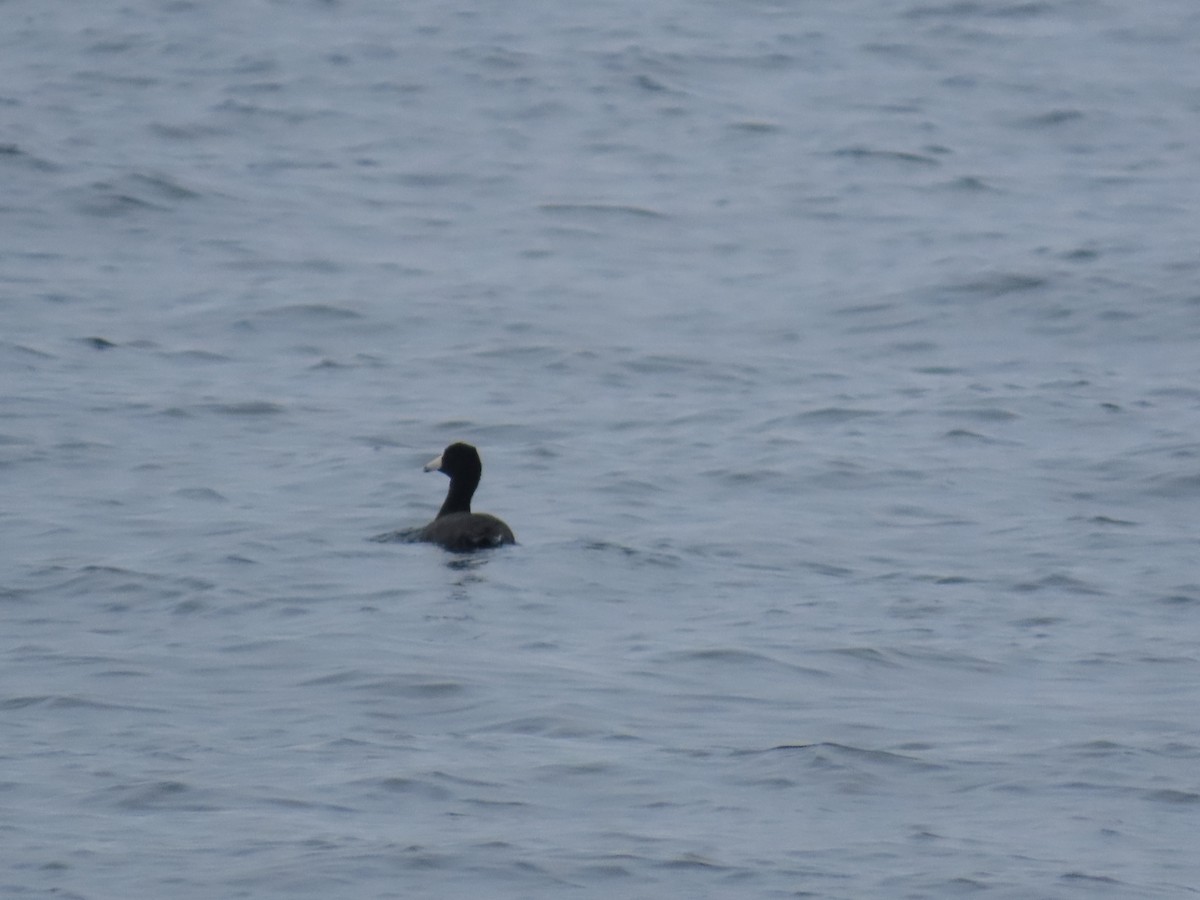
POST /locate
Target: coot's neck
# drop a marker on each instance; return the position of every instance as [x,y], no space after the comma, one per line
[458,498]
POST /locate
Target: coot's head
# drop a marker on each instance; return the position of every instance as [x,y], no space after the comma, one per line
[458,461]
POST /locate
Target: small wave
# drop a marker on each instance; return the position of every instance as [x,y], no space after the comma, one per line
[1087,877]
[130,194]
[311,311]
[941,658]
[1109,521]
[433,179]
[659,363]
[827,569]
[970,184]
[913,347]
[158,795]
[1100,747]
[755,127]
[855,764]
[400,536]
[1051,118]
[965,434]
[602,209]
[413,787]
[645,557]
[738,658]
[13,153]
[203,356]
[1182,597]
[999,284]
[59,701]
[865,654]
[98,343]
[528,354]
[418,689]
[693,861]
[980,414]
[744,477]
[901,156]
[956,9]
[831,415]
[201,493]
[246,408]
[126,583]
[25,350]
[1059,582]
[648,83]
[1173,797]
[1175,487]
[863,309]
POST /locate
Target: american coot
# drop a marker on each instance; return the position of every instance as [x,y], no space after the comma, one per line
[456,527]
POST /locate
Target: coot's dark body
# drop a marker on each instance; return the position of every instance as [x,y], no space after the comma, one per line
[465,531]
[456,527]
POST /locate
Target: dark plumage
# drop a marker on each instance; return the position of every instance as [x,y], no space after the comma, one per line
[456,527]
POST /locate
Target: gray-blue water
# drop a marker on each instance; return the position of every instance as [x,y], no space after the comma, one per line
[836,364]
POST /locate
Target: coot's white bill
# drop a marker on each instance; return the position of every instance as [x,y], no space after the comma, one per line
[433,465]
